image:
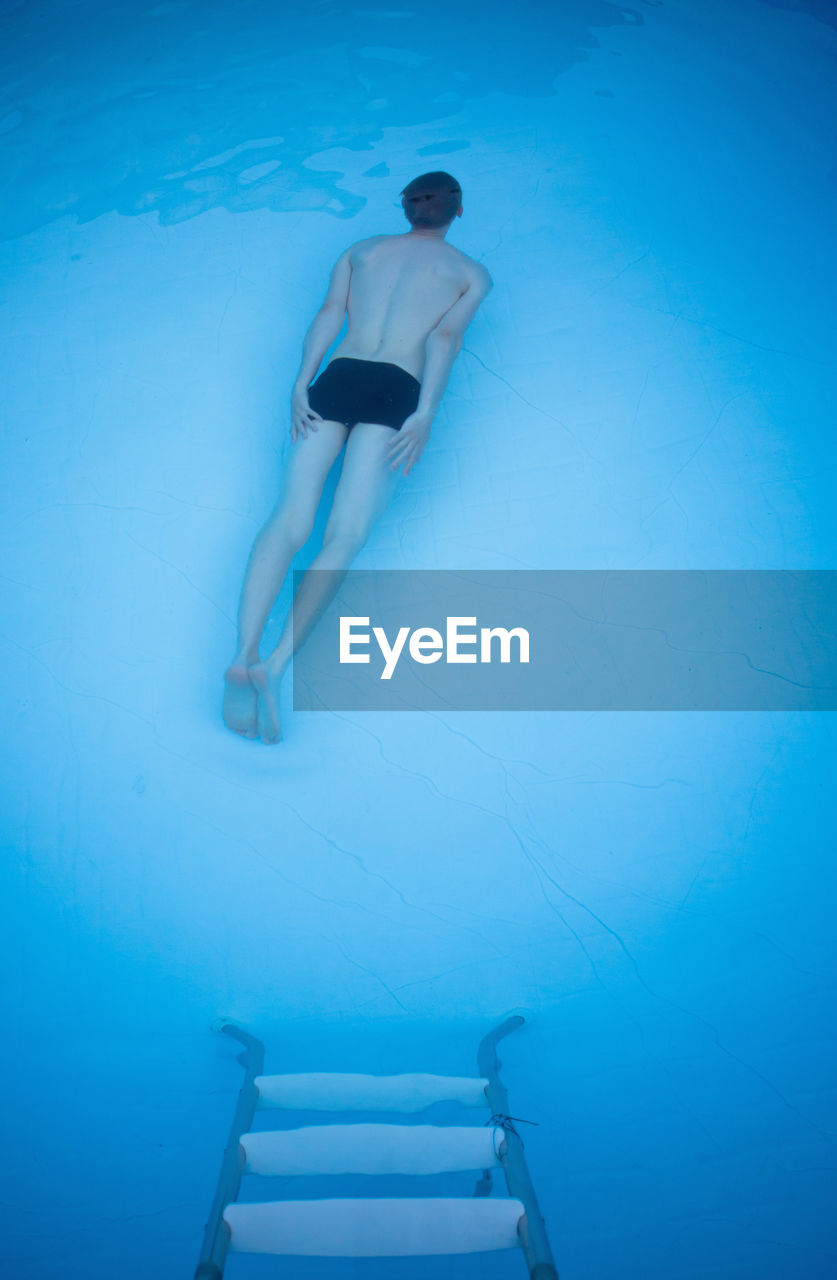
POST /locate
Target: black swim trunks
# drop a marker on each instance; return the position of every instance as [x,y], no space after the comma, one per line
[352,391]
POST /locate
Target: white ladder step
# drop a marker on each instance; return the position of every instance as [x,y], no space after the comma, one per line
[336,1091]
[371,1148]
[374,1228]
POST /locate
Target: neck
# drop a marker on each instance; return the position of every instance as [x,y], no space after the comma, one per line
[428,233]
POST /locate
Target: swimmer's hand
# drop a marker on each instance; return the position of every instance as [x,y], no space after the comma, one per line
[303,417]
[409,442]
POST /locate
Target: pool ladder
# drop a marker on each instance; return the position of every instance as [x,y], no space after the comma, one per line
[369,1227]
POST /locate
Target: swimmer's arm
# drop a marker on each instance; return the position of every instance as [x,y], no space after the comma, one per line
[445,342]
[328,321]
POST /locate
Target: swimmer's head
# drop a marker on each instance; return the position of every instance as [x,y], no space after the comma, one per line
[432,200]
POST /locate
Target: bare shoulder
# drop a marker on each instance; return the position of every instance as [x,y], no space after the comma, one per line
[367,243]
[476,272]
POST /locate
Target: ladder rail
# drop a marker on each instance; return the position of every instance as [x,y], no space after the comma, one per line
[216,1237]
[533,1237]
[532,1228]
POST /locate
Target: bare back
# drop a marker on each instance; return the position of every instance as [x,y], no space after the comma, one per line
[401,286]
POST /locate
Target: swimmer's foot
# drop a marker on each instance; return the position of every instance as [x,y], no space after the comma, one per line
[240,700]
[266,681]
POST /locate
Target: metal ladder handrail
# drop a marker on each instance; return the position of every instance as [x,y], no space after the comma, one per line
[532,1229]
[216,1236]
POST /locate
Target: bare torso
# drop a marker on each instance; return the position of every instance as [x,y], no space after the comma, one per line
[401,286]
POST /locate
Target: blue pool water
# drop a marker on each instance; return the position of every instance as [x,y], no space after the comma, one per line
[650,385]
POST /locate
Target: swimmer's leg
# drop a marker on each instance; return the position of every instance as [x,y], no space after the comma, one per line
[366,485]
[310,458]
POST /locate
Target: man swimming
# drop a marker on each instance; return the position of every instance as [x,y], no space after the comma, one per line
[409,299]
